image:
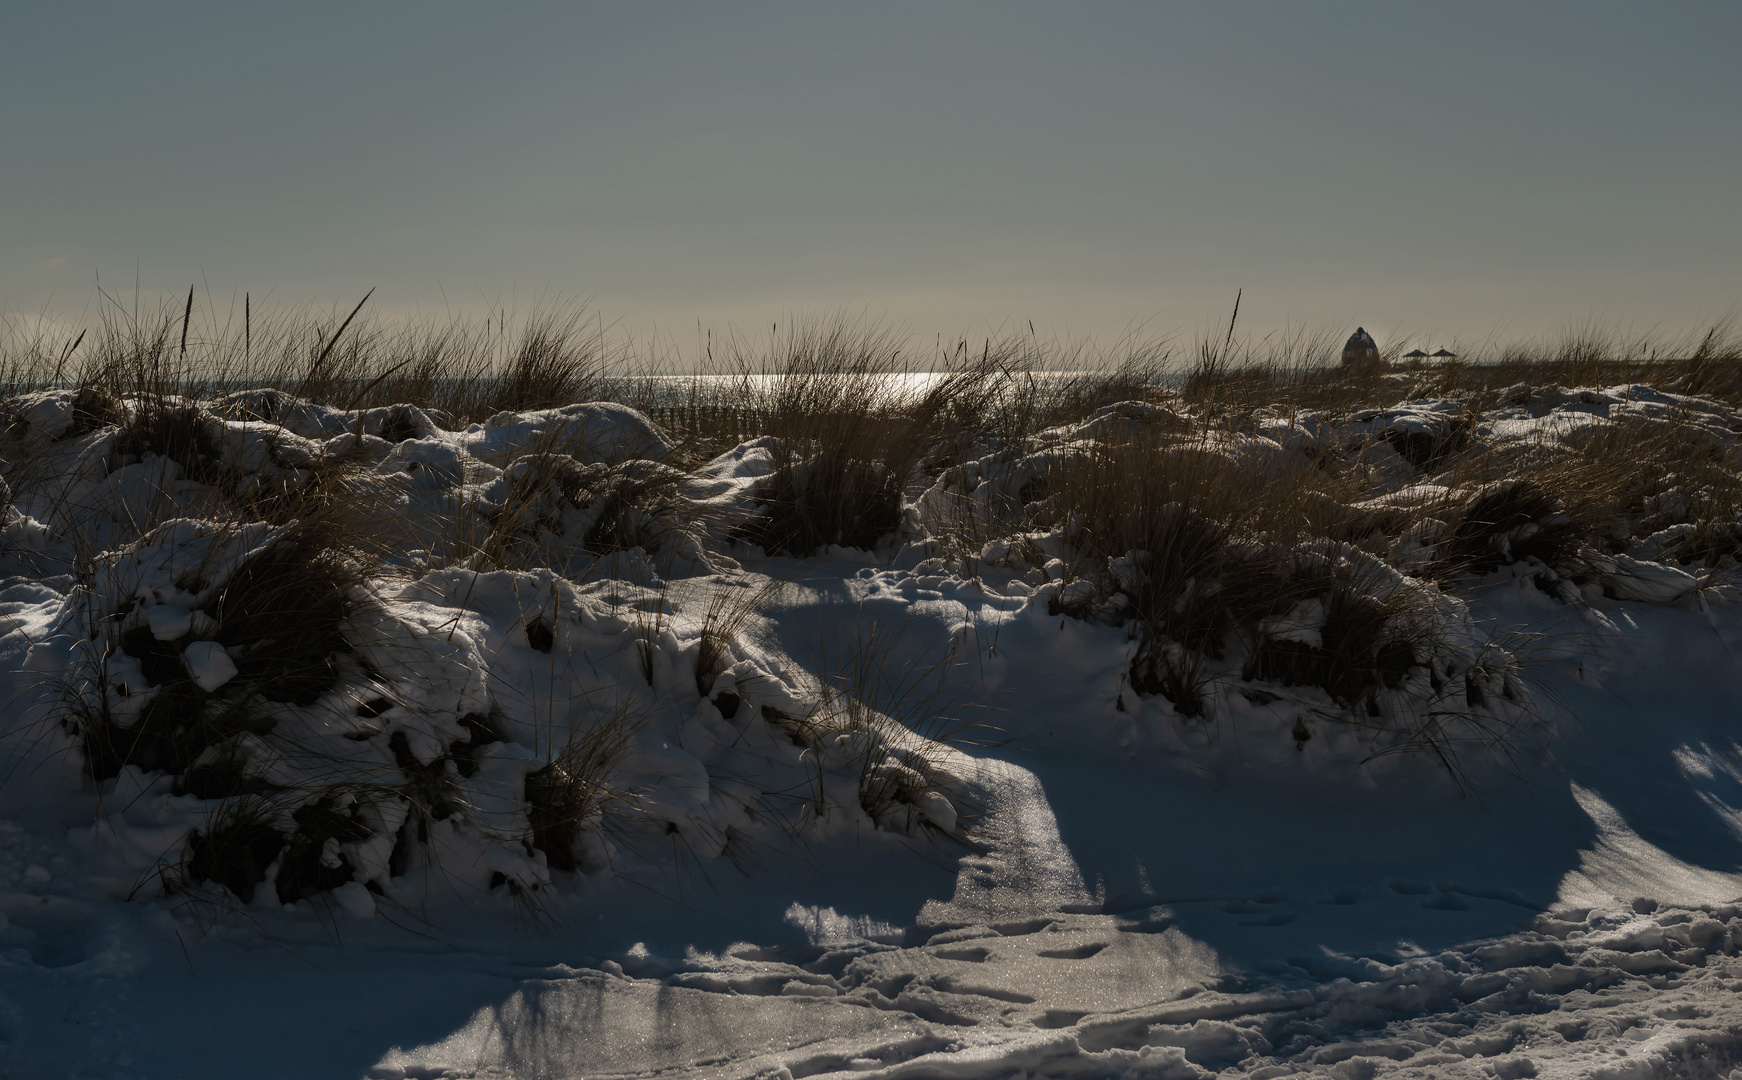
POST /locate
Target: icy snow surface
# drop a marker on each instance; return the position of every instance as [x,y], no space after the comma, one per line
[1109,889]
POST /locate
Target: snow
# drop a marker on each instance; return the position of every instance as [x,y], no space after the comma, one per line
[777,872]
[208,663]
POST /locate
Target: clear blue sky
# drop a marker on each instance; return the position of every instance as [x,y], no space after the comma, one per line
[1427,166]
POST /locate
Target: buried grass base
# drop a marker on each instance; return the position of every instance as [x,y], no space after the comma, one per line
[810,504]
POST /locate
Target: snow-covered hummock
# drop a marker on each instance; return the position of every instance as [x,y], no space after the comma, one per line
[446,483]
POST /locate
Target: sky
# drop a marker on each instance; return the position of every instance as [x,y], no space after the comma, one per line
[952,168]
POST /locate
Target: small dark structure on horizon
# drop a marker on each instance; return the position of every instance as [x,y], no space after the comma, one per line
[1445,354]
[1360,349]
[1415,354]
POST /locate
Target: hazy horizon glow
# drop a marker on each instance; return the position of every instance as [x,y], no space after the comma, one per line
[1429,171]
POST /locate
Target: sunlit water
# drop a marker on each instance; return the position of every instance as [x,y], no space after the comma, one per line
[665,389]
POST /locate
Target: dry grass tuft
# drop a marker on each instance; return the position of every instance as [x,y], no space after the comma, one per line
[730,608]
[890,725]
[848,437]
[569,795]
[233,849]
[283,611]
[279,617]
[1223,562]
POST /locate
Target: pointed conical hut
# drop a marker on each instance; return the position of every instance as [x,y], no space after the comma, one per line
[1360,349]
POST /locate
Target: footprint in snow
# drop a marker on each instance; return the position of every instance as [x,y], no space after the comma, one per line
[1503,896]
[1443,900]
[1153,924]
[1446,901]
[1255,904]
[1451,896]
[1080,952]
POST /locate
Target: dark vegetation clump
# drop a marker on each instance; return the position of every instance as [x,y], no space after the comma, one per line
[847,438]
[245,837]
[284,610]
[810,503]
[635,504]
[841,448]
[280,615]
[94,408]
[482,730]
[557,808]
[175,431]
[1505,522]
[1210,559]
[402,424]
[313,861]
[173,733]
[1426,450]
[221,772]
[429,786]
[1357,655]
[570,792]
[235,847]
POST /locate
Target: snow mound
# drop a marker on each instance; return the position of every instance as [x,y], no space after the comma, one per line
[267,701]
[1355,624]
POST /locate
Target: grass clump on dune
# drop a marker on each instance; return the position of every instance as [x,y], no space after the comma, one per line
[567,797]
[841,446]
[233,848]
[456,369]
[850,436]
[1172,536]
[892,725]
[554,498]
[268,630]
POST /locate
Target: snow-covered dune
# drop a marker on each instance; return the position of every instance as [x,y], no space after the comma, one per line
[344,744]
